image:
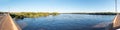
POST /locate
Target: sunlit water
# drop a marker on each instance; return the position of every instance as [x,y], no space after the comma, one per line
[67,22]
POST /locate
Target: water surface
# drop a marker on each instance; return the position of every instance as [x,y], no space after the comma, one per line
[67,22]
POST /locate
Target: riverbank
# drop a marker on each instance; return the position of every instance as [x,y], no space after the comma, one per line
[95,13]
[22,15]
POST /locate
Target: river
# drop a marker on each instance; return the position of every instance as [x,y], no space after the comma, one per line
[67,22]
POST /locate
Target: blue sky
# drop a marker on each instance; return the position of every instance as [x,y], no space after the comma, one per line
[57,5]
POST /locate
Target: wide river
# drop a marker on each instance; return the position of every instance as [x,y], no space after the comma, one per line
[67,22]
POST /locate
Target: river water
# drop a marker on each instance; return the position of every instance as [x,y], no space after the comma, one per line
[67,22]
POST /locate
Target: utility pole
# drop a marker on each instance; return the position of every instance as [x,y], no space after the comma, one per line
[116,7]
[116,21]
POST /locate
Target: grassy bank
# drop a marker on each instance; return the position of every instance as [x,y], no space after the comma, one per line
[22,15]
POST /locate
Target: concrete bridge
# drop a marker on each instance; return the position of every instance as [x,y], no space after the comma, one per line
[116,22]
[7,23]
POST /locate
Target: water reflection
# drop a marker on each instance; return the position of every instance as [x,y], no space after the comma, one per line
[67,22]
[102,24]
[22,24]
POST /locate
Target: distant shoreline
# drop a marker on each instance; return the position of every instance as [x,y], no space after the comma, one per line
[89,13]
[96,13]
[22,15]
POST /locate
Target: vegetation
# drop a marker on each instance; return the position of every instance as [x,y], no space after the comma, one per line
[108,13]
[54,13]
[96,13]
[22,15]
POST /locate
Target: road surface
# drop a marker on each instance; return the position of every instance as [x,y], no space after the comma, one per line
[116,22]
[7,23]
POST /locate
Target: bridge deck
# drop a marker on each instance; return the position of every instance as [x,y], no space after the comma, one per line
[6,23]
[116,21]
